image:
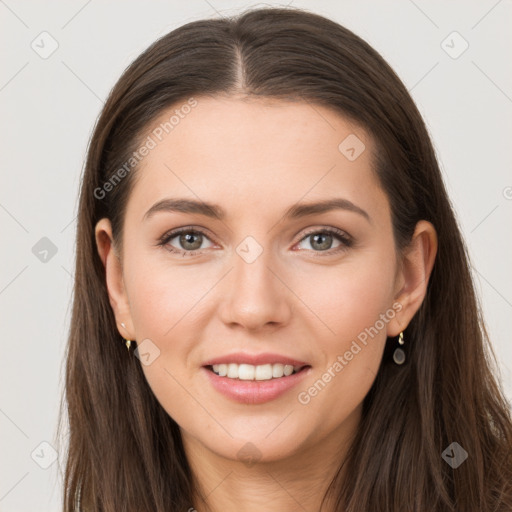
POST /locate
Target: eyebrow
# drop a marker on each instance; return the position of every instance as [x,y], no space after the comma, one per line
[183,205]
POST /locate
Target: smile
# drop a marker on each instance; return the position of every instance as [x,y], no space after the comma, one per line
[254,390]
[252,372]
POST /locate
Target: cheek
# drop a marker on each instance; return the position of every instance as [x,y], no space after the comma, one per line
[348,299]
[163,304]
[352,303]
[163,298]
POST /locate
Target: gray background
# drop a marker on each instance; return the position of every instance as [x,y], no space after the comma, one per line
[48,107]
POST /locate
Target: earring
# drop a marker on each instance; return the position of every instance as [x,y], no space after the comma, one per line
[127,342]
[399,354]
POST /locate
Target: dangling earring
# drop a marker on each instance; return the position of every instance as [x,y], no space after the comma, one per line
[399,354]
[127,342]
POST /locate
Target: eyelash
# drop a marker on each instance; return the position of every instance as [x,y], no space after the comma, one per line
[345,240]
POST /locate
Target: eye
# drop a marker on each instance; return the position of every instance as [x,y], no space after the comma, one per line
[189,241]
[322,240]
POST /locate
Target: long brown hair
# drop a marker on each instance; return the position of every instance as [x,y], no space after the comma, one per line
[125,453]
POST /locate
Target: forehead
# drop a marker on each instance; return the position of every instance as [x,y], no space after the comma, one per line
[261,153]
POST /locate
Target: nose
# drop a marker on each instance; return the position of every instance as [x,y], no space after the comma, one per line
[255,295]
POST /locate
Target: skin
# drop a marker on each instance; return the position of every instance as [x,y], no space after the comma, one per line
[256,158]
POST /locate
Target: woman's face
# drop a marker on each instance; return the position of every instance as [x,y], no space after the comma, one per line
[266,278]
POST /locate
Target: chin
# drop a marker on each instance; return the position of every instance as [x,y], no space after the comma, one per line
[263,440]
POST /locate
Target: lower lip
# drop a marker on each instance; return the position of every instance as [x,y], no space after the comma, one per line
[254,391]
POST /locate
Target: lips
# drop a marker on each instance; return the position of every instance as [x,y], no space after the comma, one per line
[254,392]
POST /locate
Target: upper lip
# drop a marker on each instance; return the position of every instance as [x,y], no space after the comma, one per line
[255,359]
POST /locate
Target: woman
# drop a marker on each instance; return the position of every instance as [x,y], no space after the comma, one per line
[273,307]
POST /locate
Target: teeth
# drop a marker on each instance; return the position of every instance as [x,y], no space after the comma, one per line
[250,372]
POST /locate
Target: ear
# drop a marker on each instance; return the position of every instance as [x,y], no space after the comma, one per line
[413,275]
[114,278]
